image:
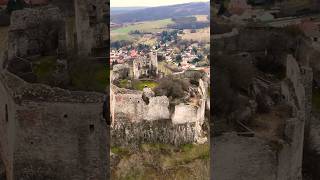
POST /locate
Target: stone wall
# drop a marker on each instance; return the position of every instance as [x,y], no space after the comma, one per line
[60,137]
[145,66]
[136,121]
[135,109]
[91,25]
[294,91]
[51,130]
[284,162]
[7,130]
[120,71]
[36,31]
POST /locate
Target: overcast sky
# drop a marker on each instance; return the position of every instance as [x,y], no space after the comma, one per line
[131,3]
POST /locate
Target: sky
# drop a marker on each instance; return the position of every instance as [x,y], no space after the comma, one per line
[133,3]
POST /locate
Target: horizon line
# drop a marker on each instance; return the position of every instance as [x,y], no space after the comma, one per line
[156,5]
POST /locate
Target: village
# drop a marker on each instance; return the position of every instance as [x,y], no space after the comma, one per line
[174,55]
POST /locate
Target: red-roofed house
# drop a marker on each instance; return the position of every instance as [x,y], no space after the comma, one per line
[133,53]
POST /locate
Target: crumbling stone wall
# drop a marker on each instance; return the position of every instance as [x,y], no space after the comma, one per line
[47,132]
[91,25]
[131,105]
[294,90]
[145,67]
[120,71]
[51,130]
[285,161]
[36,31]
[7,130]
[136,121]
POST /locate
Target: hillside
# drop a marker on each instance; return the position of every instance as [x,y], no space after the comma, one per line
[162,12]
[121,10]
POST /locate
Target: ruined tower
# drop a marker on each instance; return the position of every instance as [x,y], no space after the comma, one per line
[91,25]
[154,61]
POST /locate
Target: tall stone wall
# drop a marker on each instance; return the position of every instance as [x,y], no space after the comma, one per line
[295,91]
[7,129]
[51,130]
[63,137]
[91,24]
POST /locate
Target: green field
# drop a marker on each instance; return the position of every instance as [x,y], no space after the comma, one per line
[147,26]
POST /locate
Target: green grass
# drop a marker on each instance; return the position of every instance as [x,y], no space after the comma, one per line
[89,76]
[120,151]
[44,67]
[188,153]
[123,83]
[162,161]
[147,26]
[139,85]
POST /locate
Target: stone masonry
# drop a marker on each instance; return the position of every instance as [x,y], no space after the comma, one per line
[91,25]
[48,132]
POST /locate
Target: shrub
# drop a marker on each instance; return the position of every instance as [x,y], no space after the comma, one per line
[172,87]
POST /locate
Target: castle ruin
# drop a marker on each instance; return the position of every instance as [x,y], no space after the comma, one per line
[45,129]
[270,156]
[141,117]
[91,25]
[146,66]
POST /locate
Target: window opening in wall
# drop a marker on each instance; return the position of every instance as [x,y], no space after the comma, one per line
[6,113]
[91,128]
[93,15]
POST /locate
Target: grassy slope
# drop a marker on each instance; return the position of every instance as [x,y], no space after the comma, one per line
[199,35]
[161,161]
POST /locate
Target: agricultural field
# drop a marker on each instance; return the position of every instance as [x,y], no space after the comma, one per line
[202,18]
[147,26]
[200,35]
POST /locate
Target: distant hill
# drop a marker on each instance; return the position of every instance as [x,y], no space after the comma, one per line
[162,12]
[121,10]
